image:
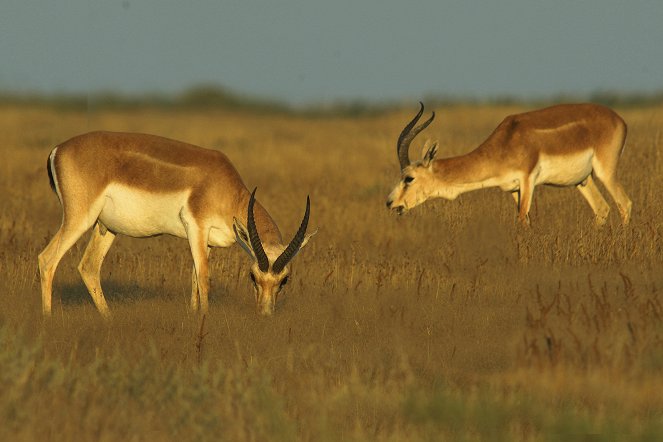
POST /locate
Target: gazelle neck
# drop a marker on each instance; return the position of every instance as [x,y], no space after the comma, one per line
[269,232]
[463,173]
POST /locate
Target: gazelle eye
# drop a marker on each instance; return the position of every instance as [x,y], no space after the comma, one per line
[283,282]
[408,179]
[253,279]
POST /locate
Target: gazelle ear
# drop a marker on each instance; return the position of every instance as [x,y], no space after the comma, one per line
[307,237]
[430,149]
[242,237]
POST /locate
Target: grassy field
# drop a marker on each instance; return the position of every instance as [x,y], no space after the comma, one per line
[450,323]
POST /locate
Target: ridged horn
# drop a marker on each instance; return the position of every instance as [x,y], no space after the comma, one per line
[256,244]
[295,244]
[408,134]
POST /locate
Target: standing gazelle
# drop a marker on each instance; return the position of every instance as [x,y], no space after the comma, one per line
[143,185]
[564,145]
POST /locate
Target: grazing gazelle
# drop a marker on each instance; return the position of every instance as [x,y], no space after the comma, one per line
[143,185]
[564,145]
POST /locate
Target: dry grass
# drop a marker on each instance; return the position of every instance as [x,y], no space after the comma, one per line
[449,323]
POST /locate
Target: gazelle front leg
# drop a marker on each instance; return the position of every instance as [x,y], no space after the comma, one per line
[198,237]
[525,194]
[195,295]
[516,197]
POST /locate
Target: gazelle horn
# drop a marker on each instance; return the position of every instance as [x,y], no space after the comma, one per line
[295,244]
[408,134]
[256,244]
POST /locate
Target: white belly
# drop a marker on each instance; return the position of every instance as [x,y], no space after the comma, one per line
[565,170]
[139,213]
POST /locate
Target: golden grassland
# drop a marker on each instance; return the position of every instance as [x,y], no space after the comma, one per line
[449,323]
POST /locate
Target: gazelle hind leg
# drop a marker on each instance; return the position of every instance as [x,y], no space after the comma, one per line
[50,257]
[48,261]
[622,200]
[605,169]
[595,199]
[90,266]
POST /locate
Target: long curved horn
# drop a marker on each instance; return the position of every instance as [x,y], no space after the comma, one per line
[295,244]
[256,244]
[408,134]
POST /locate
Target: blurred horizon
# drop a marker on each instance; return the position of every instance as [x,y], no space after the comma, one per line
[302,53]
[210,96]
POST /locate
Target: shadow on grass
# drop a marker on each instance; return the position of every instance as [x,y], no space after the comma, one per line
[115,291]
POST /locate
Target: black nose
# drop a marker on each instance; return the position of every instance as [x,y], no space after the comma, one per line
[389,204]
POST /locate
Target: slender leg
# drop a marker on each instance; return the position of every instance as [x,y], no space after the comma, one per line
[198,244]
[525,200]
[195,296]
[595,200]
[90,266]
[50,257]
[622,200]
[605,169]
[198,237]
[516,197]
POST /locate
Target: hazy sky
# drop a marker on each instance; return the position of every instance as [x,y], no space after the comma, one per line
[307,51]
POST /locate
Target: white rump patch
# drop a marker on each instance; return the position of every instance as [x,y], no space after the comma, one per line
[51,159]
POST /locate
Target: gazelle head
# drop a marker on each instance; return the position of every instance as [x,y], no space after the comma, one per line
[417,179]
[270,270]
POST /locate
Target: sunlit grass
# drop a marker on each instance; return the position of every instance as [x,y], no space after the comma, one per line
[451,323]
